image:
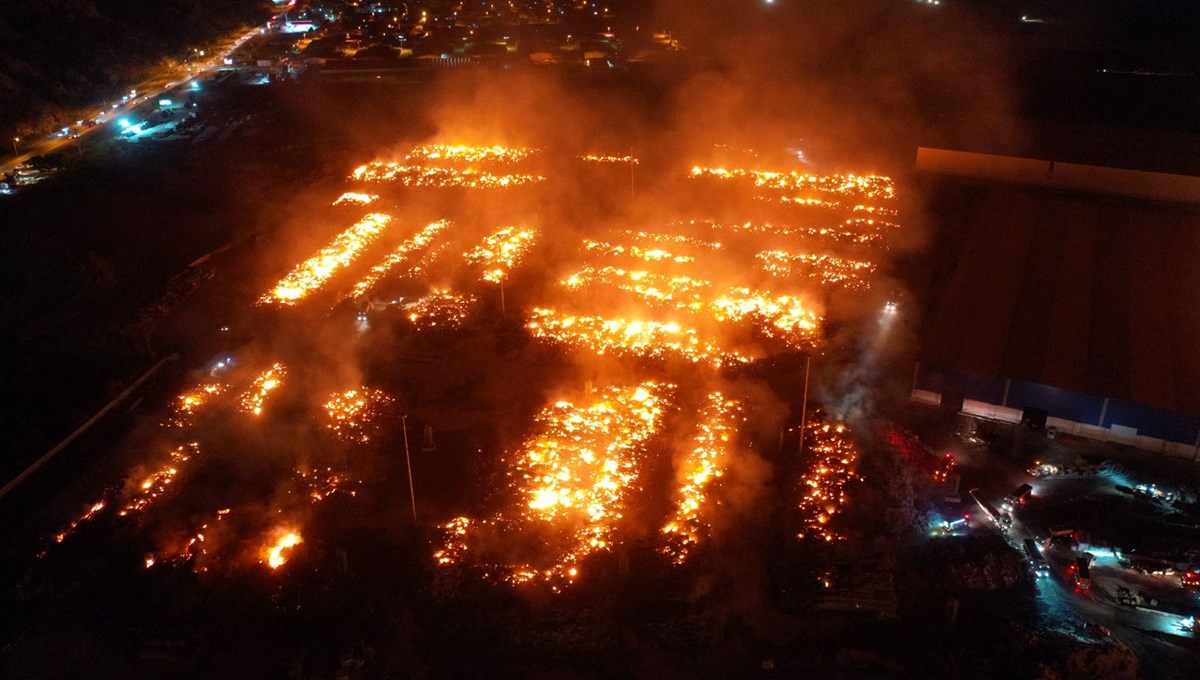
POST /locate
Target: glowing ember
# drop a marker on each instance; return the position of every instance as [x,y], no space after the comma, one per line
[274,552]
[636,252]
[860,186]
[351,414]
[683,292]
[399,256]
[786,318]
[321,484]
[440,178]
[188,404]
[832,461]
[653,339]
[501,251]
[454,550]
[89,514]
[646,238]
[847,233]
[155,485]
[440,308]
[601,158]
[355,198]
[572,476]
[253,399]
[193,548]
[313,273]
[828,269]
[472,155]
[698,471]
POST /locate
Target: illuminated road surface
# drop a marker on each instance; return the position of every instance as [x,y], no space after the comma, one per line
[148,90]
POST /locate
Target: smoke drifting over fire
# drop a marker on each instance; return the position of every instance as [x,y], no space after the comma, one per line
[601,289]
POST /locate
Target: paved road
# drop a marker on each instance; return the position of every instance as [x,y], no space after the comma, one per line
[149,89]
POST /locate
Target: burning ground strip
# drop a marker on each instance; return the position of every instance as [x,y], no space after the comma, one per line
[684,296]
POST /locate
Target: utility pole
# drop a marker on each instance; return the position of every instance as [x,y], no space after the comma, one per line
[804,405]
[408,459]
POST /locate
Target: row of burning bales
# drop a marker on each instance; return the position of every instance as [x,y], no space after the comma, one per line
[575,475]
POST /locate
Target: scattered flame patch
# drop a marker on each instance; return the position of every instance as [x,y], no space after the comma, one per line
[253,399]
[275,554]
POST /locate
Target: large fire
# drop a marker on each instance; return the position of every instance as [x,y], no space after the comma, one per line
[355,198]
[651,339]
[572,478]
[501,252]
[449,166]
[402,254]
[466,154]
[316,271]
[441,178]
[695,297]
[700,468]
[275,553]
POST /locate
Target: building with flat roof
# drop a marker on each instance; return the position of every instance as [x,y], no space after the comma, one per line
[1065,288]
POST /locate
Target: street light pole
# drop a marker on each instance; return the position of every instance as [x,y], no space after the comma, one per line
[15,140]
[804,405]
[408,459]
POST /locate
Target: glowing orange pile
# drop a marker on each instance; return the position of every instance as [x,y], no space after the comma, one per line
[874,187]
[636,252]
[500,252]
[188,404]
[572,478]
[274,552]
[154,486]
[832,459]
[651,339]
[399,256]
[657,238]
[603,158]
[447,165]
[253,399]
[355,198]
[828,269]
[842,234]
[466,154]
[314,272]
[786,318]
[440,308]
[351,414]
[441,178]
[700,468]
